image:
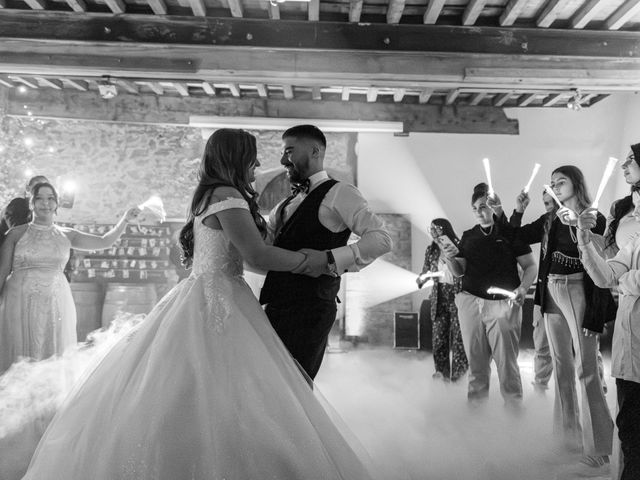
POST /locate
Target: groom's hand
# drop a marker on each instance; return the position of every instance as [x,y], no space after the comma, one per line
[315,263]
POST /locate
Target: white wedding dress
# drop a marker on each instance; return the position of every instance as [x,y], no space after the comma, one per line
[203,389]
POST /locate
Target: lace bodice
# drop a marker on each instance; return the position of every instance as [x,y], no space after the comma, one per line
[42,247]
[213,252]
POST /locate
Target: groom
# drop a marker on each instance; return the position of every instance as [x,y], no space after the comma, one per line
[319,215]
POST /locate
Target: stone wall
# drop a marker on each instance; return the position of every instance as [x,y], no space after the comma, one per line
[118,165]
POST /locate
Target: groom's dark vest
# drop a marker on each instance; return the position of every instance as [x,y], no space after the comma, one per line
[304,230]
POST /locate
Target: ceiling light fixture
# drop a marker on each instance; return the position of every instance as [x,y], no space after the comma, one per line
[211,122]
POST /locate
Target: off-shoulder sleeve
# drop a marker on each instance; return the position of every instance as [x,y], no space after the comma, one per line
[227,204]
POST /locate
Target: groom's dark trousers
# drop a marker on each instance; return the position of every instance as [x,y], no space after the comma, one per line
[302,309]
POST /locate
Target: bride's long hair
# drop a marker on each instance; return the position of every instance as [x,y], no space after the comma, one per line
[228,157]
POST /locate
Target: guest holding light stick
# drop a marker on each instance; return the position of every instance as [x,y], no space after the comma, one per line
[446,336]
[575,311]
[490,323]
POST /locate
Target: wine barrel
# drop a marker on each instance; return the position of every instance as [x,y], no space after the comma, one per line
[127,298]
[88,297]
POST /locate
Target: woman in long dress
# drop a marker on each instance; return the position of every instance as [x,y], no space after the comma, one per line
[203,388]
[37,313]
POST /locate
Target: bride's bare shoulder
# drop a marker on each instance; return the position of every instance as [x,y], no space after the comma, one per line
[224,192]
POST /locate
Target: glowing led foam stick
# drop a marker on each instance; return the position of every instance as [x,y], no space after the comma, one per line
[426,275]
[501,291]
[154,206]
[487,171]
[549,190]
[605,178]
[536,167]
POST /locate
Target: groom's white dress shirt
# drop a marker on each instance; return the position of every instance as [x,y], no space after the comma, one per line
[343,207]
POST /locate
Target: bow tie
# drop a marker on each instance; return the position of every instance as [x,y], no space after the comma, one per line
[302,187]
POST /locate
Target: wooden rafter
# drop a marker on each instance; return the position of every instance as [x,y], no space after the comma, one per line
[77,5]
[346,91]
[622,15]
[451,96]
[262,90]
[355,10]
[287,91]
[501,99]
[198,8]
[585,13]
[316,93]
[235,7]
[153,86]
[472,12]
[48,83]
[274,11]
[511,12]
[314,10]
[27,83]
[526,99]
[234,89]
[73,83]
[424,95]
[553,99]
[477,98]
[208,88]
[158,6]
[434,7]
[395,10]
[181,88]
[128,86]
[399,94]
[36,4]
[116,6]
[550,13]
[372,94]
[7,83]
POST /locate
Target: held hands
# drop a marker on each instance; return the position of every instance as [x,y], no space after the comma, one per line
[522,201]
[314,265]
[567,216]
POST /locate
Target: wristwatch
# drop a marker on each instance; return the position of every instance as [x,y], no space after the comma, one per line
[331,264]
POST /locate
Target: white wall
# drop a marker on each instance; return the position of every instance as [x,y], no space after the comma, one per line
[428,175]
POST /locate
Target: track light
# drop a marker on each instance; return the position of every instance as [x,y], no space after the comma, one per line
[575,102]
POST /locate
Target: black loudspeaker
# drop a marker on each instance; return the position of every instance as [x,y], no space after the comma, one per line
[406,330]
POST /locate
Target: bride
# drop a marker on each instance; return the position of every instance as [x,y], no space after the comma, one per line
[203,389]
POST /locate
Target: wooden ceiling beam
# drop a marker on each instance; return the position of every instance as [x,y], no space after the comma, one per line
[176,110]
[153,86]
[344,96]
[501,99]
[157,6]
[150,30]
[394,11]
[128,86]
[287,91]
[472,12]
[553,99]
[434,8]
[550,13]
[234,89]
[372,94]
[622,15]
[74,83]
[208,88]
[512,12]
[477,98]
[313,12]
[198,8]
[235,7]
[45,82]
[355,10]
[585,13]
[116,6]
[274,11]
[262,90]
[36,4]
[27,83]
[424,96]
[399,94]
[316,93]
[527,99]
[451,97]
[77,5]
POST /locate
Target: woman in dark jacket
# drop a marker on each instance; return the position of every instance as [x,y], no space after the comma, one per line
[575,312]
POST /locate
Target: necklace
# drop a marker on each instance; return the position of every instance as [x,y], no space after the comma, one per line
[489,232]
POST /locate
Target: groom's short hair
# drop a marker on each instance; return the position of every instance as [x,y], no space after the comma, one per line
[310,132]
